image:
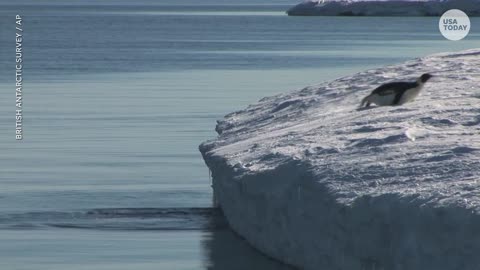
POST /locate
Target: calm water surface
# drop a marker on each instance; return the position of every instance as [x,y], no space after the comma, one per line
[117,99]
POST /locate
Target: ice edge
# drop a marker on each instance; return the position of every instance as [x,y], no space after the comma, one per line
[308,179]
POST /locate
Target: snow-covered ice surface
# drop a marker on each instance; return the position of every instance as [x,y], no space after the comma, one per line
[384,7]
[310,179]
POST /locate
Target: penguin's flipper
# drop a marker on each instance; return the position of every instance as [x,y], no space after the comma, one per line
[365,102]
[398,97]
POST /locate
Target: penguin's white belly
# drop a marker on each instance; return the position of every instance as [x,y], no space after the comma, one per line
[382,100]
[410,95]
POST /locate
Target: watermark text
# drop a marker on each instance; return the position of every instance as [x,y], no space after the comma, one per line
[18,78]
[454,24]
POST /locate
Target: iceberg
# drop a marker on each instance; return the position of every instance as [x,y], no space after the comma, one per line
[310,179]
[383,8]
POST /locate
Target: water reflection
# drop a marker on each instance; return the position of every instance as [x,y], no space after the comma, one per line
[225,250]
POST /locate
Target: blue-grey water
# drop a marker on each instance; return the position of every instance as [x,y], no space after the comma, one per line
[117,97]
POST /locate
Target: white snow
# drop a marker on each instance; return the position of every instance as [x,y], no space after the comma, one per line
[310,179]
[384,7]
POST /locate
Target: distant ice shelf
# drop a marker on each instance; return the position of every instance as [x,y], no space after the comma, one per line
[383,7]
[309,179]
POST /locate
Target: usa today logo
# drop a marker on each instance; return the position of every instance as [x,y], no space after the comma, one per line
[454,24]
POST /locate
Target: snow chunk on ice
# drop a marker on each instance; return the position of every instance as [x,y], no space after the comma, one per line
[311,180]
[384,7]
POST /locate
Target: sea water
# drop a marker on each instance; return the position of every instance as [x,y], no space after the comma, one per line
[118,95]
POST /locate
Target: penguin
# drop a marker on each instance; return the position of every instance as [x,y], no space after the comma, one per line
[396,93]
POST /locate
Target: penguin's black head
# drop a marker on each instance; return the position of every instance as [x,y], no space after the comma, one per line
[425,77]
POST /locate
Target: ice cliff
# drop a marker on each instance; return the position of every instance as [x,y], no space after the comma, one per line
[383,7]
[309,179]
